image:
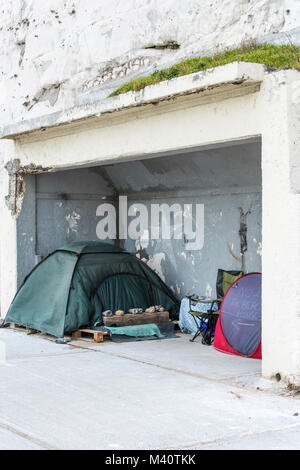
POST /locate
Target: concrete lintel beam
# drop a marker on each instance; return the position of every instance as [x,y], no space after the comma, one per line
[242,75]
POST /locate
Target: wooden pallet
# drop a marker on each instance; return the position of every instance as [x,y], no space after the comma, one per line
[17,327]
[98,336]
[29,331]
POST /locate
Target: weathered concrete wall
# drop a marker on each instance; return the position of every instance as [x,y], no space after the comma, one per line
[55,54]
[26,231]
[58,208]
[195,271]
[223,180]
[8,241]
[281,226]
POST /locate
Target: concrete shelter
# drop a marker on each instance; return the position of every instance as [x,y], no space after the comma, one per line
[239,111]
[227,138]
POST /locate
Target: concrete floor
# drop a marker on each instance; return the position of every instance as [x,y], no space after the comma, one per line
[168,394]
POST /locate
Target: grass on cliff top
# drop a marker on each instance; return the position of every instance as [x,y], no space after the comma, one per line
[274,57]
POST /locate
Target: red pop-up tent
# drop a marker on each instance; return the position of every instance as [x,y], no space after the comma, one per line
[238,330]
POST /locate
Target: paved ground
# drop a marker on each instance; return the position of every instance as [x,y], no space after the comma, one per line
[168,394]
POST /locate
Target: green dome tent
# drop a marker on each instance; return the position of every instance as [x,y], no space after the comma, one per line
[71,288]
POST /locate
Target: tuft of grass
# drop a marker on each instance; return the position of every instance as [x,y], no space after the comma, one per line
[274,57]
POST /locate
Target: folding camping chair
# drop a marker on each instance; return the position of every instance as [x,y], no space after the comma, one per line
[206,321]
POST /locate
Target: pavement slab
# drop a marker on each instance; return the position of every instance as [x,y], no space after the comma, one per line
[165,394]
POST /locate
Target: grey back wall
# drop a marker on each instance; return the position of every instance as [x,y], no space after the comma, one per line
[60,207]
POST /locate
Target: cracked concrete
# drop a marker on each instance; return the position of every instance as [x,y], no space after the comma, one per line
[16,187]
[16,184]
[83,396]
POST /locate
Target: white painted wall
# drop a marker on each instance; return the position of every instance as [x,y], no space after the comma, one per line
[281,226]
[54,53]
[8,240]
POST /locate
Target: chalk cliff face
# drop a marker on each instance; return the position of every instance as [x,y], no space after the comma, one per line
[55,53]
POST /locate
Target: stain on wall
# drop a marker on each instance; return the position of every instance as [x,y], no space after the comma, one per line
[195,271]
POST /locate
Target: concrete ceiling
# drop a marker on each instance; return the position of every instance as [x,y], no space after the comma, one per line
[235,166]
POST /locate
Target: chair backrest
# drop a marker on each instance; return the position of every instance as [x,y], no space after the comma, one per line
[224,281]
